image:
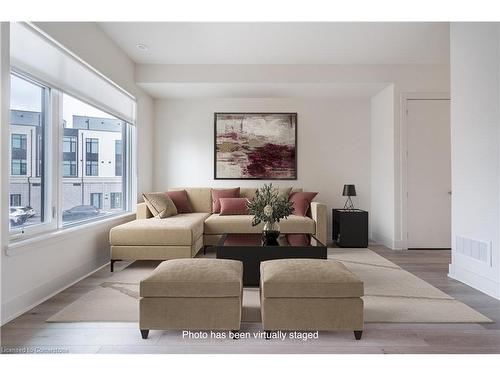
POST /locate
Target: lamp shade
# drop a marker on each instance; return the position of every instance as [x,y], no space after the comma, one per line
[349,191]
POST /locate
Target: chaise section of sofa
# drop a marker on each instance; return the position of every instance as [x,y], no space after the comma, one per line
[184,235]
[180,236]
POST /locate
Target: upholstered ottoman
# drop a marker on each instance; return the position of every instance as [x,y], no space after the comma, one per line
[310,294]
[201,294]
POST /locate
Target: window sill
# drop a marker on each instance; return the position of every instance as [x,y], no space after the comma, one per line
[22,245]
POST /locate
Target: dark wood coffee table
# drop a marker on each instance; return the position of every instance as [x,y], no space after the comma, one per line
[248,248]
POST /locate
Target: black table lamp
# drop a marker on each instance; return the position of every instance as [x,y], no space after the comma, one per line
[349,191]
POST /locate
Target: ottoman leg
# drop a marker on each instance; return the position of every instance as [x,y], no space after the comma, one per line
[144,333]
[358,334]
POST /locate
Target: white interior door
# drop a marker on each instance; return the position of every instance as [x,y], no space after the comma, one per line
[429,173]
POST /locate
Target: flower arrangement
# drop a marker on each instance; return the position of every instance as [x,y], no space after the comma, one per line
[268,206]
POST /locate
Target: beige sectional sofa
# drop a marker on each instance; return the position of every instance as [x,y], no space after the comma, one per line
[183,235]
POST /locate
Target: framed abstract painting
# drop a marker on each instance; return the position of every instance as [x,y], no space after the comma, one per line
[255,146]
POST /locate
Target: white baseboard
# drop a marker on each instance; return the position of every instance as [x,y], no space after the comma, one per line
[383,240]
[474,280]
[21,304]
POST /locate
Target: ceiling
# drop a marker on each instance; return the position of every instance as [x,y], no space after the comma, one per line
[282,43]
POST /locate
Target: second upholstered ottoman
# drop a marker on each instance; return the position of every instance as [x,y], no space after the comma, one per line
[310,294]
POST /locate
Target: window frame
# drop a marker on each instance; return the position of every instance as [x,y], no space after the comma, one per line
[52,167]
[45,171]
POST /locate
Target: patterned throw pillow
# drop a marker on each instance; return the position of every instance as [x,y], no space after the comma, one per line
[160,204]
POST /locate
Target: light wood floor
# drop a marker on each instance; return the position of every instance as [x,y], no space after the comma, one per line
[31,332]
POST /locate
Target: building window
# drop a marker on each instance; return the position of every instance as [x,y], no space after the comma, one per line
[69,145]
[28,100]
[118,158]
[15,200]
[69,156]
[18,155]
[69,168]
[90,145]
[92,157]
[96,200]
[116,200]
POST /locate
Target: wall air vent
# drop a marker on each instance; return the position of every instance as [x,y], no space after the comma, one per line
[478,250]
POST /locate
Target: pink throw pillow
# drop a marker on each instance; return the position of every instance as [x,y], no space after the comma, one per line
[233,206]
[222,193]
[180,199]
[301,202]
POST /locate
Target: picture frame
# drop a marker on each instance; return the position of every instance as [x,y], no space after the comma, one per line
[255,145]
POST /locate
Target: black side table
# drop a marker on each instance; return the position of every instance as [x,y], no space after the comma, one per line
[350,228]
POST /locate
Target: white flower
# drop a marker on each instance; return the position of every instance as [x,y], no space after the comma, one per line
[268,211]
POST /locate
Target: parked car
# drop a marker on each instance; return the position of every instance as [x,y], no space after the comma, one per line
[28,210]
[80,213]
[17,217]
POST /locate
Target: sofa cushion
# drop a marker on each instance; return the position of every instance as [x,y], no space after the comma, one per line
[181,201]
[222,193]
[308,278]
[182,230]
[219,224]
[301,202]
[200,198]
[194,278]
[160,204]
[233,206]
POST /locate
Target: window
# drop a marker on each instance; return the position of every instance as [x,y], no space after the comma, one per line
[69,156]
[92,157]
[15,200]
[116,200]
[92,148]
[28,103]
[69,168]
[118,158]
[96,200]
[18,152]
[91,140]
[69,145]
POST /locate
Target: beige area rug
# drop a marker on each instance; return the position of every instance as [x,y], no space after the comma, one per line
[392,295]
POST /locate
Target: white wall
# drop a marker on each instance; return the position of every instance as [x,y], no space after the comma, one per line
[475,130]
[224,78]
[32,272]
[382,183]
[333,144]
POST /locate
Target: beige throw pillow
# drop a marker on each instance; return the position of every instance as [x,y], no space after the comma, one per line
[160,204]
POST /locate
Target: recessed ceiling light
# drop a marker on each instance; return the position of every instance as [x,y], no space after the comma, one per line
[142,47]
